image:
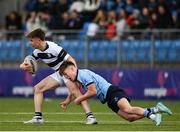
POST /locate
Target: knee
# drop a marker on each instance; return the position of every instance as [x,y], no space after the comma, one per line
[37,90]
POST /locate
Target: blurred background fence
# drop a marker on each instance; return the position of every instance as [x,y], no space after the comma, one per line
[135,48]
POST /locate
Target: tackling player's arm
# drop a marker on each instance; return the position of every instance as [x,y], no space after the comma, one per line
[72,60]
[90,92]
[67,101]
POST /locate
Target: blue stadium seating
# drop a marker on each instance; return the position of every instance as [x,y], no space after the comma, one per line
[128,51]
[29,49]
[103,50]
[172,55]
[10,50]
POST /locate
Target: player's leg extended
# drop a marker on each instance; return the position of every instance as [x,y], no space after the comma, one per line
[74,88]
[125,107]
[129,117]
[47,83]
[44,85]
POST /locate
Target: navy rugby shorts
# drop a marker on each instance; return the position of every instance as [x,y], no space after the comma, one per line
[114,94]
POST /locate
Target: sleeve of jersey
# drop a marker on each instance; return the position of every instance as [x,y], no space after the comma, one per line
[35,56]
[63,55]
[86,79]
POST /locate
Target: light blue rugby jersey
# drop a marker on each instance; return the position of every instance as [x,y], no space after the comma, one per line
[87,77]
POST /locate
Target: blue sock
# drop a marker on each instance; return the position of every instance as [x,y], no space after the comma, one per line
[154,110]
[147,112]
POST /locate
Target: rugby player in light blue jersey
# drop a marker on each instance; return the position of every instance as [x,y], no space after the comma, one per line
[114,96]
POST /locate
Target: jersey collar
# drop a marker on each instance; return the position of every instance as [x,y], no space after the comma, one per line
[76,78]
[47,46]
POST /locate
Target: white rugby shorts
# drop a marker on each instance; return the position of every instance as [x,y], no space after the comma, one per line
[59,78]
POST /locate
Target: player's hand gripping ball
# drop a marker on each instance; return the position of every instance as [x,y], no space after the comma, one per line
[29,60]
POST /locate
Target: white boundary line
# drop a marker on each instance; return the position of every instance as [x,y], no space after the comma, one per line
[61,113]
[105,122]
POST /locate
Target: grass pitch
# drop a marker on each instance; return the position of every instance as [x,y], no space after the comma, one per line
[14,111]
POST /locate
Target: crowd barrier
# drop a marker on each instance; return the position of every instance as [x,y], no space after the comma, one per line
[138,83]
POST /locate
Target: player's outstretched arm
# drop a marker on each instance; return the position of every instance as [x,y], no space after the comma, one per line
[90,92]
[67,101]
[72,60]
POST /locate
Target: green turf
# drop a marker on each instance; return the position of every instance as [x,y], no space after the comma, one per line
[14,111]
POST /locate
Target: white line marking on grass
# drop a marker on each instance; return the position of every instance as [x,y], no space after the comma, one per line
[61,113]
[100,122]
[107,122]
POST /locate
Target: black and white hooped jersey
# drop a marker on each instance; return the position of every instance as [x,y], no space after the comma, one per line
[53,55]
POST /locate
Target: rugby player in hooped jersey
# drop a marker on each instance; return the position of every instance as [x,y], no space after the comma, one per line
[114,96]
[52,55]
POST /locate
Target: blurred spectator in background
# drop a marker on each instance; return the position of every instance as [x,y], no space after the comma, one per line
[30,5]
[129,7]
[174,7]
[164,18]
[152,5]
[120,4]
[90,9]
[110,4]
[43,6]
[133,20]
[145,18]
[61,7]
[92,31]
[101,21]
[64,21]
[121,25]
[13,23]
[111,25]
[154,22]
[77,5]
[72,14]
[36,20]
[91,5]
[32,21]
[74,23]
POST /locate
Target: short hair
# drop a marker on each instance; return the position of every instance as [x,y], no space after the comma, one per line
[36,33]
[64,65]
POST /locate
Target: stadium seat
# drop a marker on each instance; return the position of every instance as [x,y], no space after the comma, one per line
[161,55]
[141,56]
[29,49]
[64,44]
[111,51]
[161,47]
[83,32]
[128,52]
[172,55]
[14,48]
[2,50]
[91,56]
[75,48]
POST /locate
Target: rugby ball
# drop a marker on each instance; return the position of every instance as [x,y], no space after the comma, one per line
[32,61]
